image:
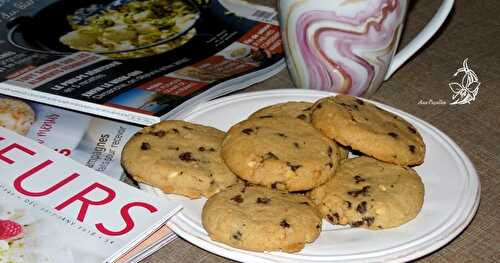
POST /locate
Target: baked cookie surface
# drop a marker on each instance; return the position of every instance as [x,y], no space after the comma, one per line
[280,152]
[293,109]
[261,219]
[16,115]
[368,129]
[369,193]
[178,157]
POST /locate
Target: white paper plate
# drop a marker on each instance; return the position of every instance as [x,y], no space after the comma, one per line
[452,192]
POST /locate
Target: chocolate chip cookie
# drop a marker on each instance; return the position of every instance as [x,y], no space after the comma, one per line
[261,219]
[178,157]
[369,129]
[280,152]
[369,193]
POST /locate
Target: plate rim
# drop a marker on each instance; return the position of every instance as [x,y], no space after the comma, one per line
[461,219]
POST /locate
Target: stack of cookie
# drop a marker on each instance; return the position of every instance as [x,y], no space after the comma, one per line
[272,177]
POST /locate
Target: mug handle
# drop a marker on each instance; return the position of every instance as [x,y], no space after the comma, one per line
[429,30]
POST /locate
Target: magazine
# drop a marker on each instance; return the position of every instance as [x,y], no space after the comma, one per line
[92,141]
[138,61]
[56,210]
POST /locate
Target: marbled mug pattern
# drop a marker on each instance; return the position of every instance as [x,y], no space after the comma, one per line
[343,46]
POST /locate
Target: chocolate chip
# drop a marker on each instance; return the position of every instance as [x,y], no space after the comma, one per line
[273,185]
[263,200]
[319,106]
[175,130]
[247,131]
[361,207]
[318,226]
[266,116]
[392,186]
[270,156]
[393,135]
[187,128]
[305,203]
[412,130]
[237,198]
[363,191]
[281,135]
[237,235]
[359,179]
[412,148]
[201,149]
[173,148]
[334,218]
[330,217]
[296,144]
[187,157]
[145,146]
[330,164]
[293,167]
[357,223]
[360,101]
[159,133]
[348,204]
[330,151]
[284,224]
[369,220]
[302,117]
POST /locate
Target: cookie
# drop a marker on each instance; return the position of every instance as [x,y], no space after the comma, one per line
[280,152]
[178,157]
[16,115]
[293,109]
[369,193]
[261,219]
[369,129]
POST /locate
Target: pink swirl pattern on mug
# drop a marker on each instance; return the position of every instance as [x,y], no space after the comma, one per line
[343,53]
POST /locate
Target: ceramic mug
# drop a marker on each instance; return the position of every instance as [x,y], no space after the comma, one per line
[348,46]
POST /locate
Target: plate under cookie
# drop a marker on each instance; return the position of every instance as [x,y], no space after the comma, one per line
[452,192]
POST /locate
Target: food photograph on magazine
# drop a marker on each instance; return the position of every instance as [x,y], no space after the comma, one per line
[135,60]
[273,131]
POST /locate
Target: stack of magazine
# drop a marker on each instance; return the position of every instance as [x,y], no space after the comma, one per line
[79,78]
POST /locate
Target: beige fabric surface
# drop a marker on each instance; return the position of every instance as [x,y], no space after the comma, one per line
[473,31]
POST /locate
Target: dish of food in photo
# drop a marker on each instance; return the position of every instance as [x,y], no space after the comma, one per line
[133,28]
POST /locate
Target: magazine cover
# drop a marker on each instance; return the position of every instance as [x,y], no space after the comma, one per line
[56,210]
[134,60]
[94,142]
